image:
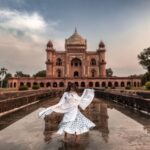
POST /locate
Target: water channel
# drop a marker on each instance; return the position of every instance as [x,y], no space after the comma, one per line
[117,128]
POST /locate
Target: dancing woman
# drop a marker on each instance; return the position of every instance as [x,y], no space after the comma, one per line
[73,122]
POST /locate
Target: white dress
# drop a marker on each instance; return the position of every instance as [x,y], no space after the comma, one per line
[73,120]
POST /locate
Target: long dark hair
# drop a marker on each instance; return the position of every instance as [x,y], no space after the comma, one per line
[71,86]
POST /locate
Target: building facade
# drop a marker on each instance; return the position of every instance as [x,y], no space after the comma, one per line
[75,61]
[75,64]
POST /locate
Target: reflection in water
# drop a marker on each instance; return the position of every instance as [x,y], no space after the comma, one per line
[137,116]
[17,115]
[70,146]
[96,112]
[124,126]
[51,125]
[104,121]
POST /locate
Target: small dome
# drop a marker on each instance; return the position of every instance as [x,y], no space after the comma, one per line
[75,39]
[49,44]
[101,44]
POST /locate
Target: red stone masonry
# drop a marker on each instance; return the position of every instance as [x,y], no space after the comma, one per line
[75,64]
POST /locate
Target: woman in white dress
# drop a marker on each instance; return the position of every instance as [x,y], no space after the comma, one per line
[73,122]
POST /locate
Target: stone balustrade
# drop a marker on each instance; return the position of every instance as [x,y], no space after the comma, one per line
[133,101]
[13,103]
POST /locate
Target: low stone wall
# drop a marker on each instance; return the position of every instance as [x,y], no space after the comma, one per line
[144,94]
[133,101]
[15,94]
[13,103]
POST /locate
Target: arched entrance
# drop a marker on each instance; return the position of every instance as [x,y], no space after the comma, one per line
[41,84]
[21,84]
[55,84]
[29,84]
[61,84]
[122,84]
[116,84]
[76,68]
[77,84]
[96,84]
[103,84]
[109,84]
[76,74]
[93,73]
[90,84]
[48,84]
[82,84]
[58,73]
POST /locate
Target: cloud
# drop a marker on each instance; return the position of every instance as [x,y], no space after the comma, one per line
[31,26]
[24,34]
[21,21]
[23,38]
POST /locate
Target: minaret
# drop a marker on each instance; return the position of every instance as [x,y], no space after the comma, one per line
[102,63]
[49,61]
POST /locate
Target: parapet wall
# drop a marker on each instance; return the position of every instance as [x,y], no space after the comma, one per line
[133,101]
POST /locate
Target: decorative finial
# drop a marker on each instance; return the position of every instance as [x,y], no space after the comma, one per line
[101,44]
[50,44]
[75,30]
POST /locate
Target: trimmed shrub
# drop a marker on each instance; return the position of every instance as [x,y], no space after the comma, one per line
[147,85]
[128,87]
[35,87]
[23,87]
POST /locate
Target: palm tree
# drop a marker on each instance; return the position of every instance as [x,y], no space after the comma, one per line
[2,75]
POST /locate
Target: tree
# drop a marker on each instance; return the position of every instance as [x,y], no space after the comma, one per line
[3,73]
[41,73]
[21,74]
[144,59]
[145,77]
[135,76]
[147,85]
[5,82]
[109,72]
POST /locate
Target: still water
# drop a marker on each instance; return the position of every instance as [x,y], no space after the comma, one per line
[117,128]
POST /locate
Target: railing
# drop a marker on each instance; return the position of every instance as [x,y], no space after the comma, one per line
[133,101]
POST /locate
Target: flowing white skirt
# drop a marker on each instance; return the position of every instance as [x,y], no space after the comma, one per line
[80,125]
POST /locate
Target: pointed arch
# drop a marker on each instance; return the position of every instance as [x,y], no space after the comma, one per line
[58,62]
[76,62]
[59,73]
[93,62]
[93,73]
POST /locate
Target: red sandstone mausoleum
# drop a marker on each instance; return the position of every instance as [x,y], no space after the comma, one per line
[75,64]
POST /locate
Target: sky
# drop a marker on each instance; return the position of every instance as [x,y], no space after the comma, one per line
[27,25]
